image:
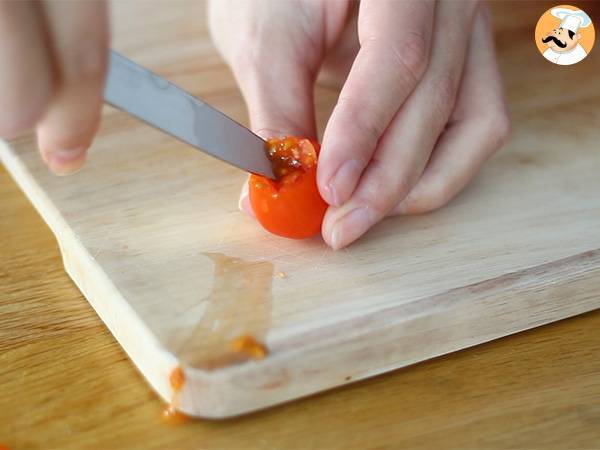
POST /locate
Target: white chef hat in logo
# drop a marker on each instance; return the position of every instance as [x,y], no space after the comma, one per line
[571,19]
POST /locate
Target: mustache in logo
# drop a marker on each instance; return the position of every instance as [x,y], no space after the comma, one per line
[556,41]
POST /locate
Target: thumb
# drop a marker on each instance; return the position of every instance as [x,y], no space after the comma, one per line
[280,101]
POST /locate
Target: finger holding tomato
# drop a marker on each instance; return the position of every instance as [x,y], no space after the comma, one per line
[420,109]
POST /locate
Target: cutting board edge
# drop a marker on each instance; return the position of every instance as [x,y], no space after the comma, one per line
[77,261]
[292,372]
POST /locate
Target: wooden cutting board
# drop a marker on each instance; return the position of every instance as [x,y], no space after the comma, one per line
[150,232]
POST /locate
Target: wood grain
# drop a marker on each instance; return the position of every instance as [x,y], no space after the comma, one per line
[536,389]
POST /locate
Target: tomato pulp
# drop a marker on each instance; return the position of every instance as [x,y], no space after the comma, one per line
[290,205]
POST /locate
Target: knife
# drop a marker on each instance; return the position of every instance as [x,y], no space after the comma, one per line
[163,105]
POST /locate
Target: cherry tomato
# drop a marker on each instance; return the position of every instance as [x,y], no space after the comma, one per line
[291,205]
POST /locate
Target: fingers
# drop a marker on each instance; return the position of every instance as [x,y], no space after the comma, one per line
[395,38]
[79,36]
[338,61]
[286,110]
[55,60]
[276,77]
[405,147]
[25,75]
[273,60]
[479,127]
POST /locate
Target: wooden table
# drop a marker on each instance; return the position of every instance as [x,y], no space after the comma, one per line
[65,382]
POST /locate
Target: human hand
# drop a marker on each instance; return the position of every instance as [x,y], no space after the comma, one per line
[54,60]
[420,111]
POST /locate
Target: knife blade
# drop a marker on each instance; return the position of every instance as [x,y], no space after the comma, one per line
[165,106]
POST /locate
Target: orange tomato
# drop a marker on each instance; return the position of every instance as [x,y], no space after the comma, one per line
[291,205]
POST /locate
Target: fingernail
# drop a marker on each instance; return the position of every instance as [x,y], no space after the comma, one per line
[243,195]
[335,239]
[244,202]
[65,162]
[351,226]
[343,182]
[245,206]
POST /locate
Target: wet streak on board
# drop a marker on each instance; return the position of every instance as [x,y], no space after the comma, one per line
[237,318]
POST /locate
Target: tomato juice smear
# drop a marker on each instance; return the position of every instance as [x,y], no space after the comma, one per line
[250,346]
[245,344]
[170,415]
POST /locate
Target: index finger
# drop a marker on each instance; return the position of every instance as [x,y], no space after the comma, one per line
[395,38]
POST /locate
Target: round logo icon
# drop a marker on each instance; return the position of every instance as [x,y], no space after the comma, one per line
[564,35]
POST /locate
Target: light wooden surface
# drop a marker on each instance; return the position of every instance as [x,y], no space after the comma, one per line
[415,407]
[150,233]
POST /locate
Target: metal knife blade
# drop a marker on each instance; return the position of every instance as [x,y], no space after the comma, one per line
[163,105]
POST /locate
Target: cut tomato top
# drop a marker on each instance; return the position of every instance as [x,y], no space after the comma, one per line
[289,206]
[290,154]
